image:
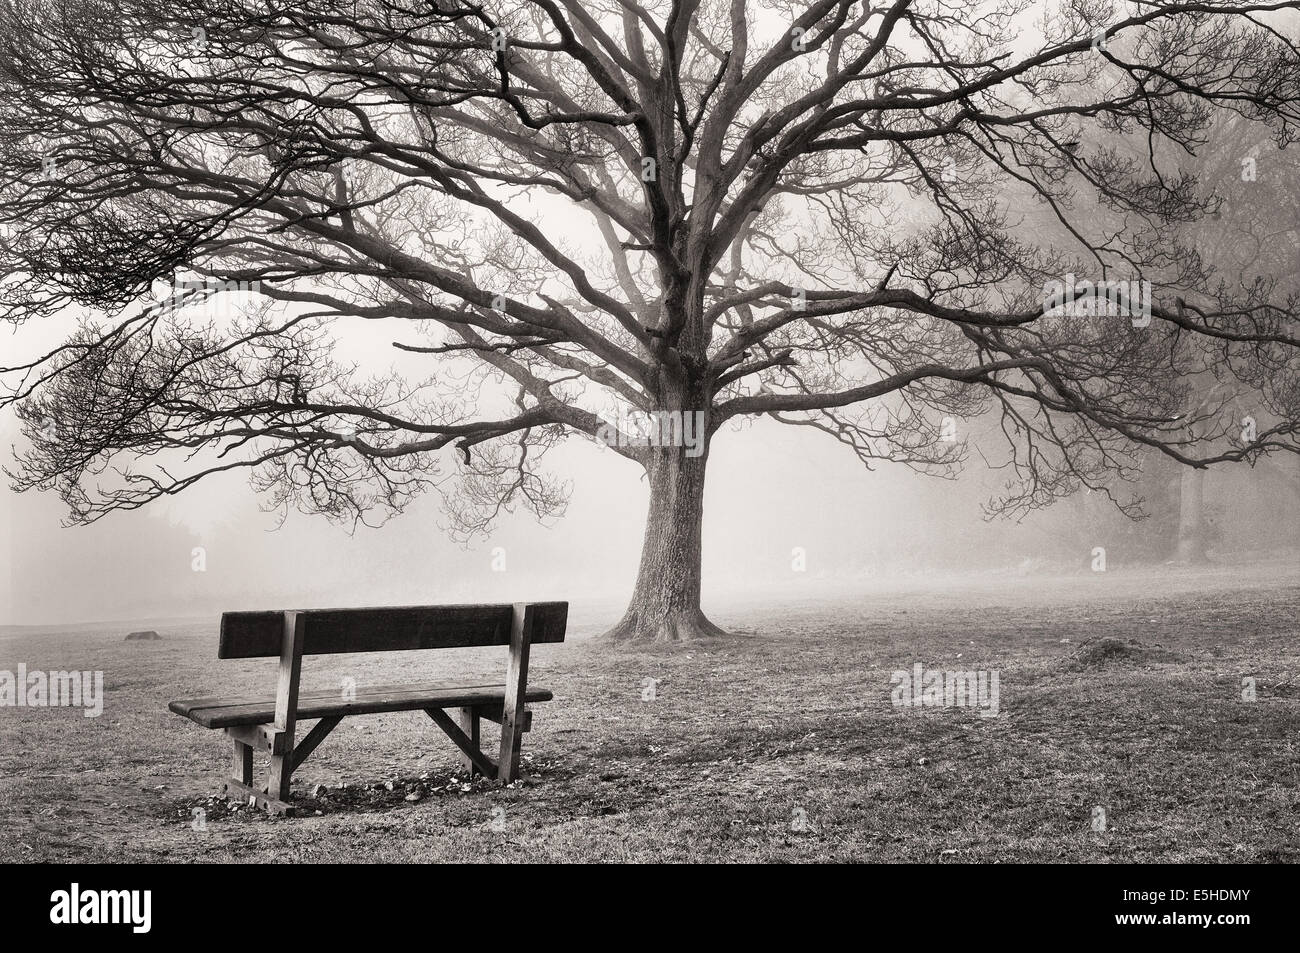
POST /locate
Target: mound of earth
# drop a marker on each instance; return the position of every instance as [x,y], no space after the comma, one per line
[148,635]
[1107,651]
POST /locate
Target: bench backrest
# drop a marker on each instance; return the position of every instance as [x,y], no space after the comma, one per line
[332,631]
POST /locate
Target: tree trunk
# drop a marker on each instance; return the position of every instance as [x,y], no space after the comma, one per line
[1191,517]
[665,604]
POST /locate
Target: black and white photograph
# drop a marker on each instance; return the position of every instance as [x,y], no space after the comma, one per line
[567,432]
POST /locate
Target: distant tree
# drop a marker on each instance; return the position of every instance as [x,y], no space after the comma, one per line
[1248,243]
[583,212]
[1251,241]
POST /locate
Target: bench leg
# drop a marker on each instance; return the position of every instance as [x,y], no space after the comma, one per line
[286,707]
[243,763]
[513,710]
[469,723]
[239,786]
[277,782]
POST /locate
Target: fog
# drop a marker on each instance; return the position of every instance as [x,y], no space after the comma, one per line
[787,510]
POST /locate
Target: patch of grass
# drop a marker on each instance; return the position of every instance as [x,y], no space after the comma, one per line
[782,745]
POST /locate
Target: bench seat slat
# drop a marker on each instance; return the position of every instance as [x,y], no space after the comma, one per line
[362,691]
[229,712]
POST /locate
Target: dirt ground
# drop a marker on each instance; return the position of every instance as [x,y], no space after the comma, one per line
[1119,692]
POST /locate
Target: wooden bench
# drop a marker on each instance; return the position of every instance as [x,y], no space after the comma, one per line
[268,724]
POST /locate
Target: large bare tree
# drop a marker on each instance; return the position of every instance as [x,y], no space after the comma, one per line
[585,212]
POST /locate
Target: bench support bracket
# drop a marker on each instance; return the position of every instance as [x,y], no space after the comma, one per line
[313,738]
[469,747]
[262,738]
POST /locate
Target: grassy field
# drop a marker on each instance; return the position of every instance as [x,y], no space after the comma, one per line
[1121,691]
